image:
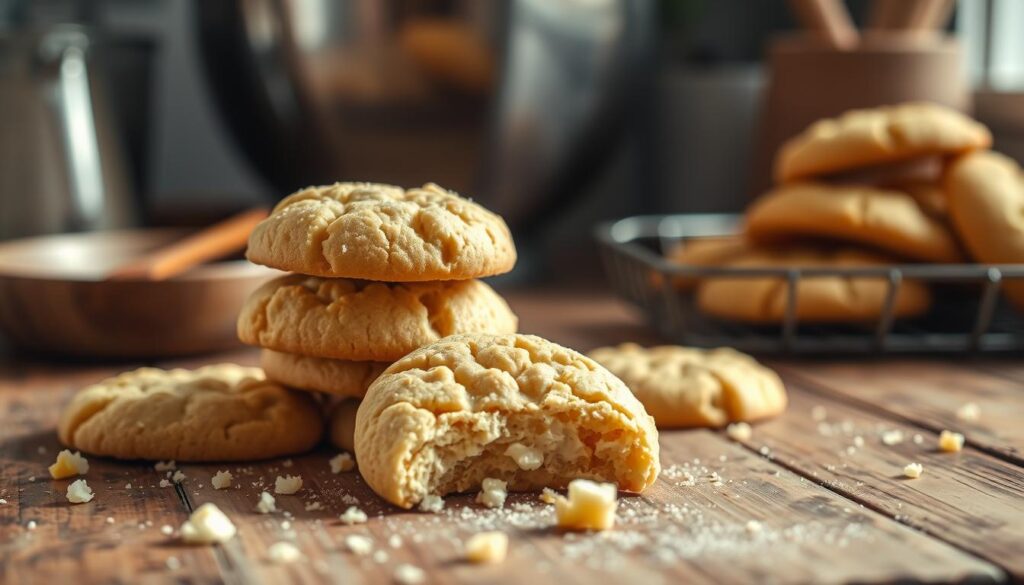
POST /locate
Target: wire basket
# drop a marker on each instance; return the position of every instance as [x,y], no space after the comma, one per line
[968,313]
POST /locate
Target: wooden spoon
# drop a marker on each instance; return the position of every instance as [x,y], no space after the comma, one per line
[207,244]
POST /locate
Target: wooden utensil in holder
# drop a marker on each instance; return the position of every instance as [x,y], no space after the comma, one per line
[810,78]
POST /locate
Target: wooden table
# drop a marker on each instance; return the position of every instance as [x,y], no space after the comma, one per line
[814,496]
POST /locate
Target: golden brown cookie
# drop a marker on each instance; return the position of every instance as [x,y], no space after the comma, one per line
[382,232]
[820,299]
[861,138]
[516,408]
[985,195]
[338,377]
[885,219]
[215,413]
[343,425]
[360,320]
[710,251]
[690,387]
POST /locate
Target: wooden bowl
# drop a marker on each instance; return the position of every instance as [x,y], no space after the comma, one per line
[54,298]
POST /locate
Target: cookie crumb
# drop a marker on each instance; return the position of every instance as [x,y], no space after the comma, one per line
[283,553]
[167,530]
[342,462]
[951,442]
[409,575]
[590,506]
[287,463]
[31,525]
[913,470]
[165,483]
[380,556]
[127,486]
[79,492]
[395,541]
[527,458]
[165,465]
[266,504]
[221,480]
[431,503]
[178,476]
[288,484]
[313,506]
[110,520]
[739,431]
[548,495]
[207,525]
[352,516]
[487,547]
[493,493]
[69,464]
[968,412]
[893,437]
[359,544]
[753,527]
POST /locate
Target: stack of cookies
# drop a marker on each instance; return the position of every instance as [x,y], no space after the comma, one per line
[376,272]
[869,188]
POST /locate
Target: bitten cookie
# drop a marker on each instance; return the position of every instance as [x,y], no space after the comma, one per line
[860,138]
[215,413]
[360,320]
[885,219]
[343,424]
[338,377]
[516,408]
[985,195]
[382,232]
[820,299]
[688,387]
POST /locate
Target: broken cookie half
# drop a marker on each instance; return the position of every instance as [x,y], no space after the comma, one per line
[515,408]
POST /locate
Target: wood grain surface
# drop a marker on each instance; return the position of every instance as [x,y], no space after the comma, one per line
[801,501]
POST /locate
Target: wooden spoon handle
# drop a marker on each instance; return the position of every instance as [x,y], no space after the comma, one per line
[212,242]
[829,19]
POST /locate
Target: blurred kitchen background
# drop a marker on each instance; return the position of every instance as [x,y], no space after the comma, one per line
[557,114]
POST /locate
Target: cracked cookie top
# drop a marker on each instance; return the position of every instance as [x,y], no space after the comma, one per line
[367,321]
[382,232]
[859,138]
[220,412]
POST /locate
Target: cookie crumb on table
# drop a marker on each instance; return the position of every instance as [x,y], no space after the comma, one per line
[409,575]
[951,442]
[353,515]
[493,493]
[359,544]
[432,503]
[288,484]
[342,462]
[221,480]
[178,476]
[590,506]
[207,525]
[79,492]
[69,464]
[487,547]
[165,465]
[893,437]
[283,552]
[913,470]
[266,503]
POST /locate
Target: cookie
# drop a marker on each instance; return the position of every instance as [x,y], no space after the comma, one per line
[985,195]
[516,408]
[687,387]
[699,252]
[360,320]
[215,413]
[338,377]
[861,138]
[382,232]
[820,299]
[885,219]
[343,425]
